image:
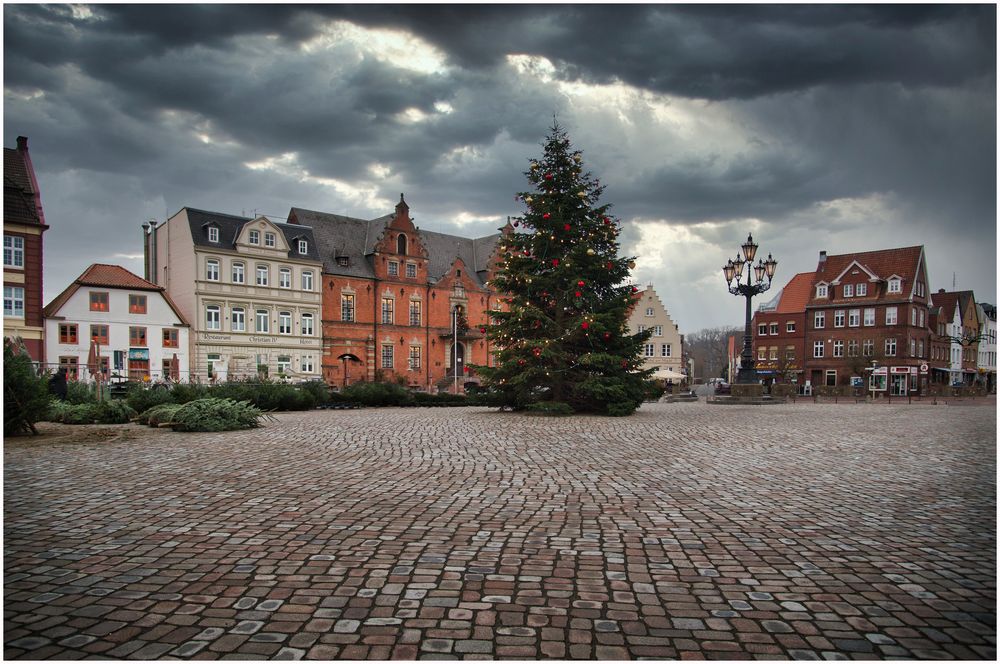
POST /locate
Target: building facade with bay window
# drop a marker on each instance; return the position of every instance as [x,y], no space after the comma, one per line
[249,286]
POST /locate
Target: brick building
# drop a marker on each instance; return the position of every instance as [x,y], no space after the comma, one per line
[954,337]
[868,311]
[401,303]
[23,227]
[779,329]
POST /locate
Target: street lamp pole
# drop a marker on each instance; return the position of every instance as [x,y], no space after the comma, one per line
[733,272]
[454,345]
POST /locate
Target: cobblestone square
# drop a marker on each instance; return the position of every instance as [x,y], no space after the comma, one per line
[688,531]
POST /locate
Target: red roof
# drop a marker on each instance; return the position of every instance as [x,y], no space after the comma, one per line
[795,294]
[904,262]
[114,276]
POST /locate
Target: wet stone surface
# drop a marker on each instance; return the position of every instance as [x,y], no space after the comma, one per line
[806,531]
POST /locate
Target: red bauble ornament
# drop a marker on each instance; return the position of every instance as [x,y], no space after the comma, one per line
[610,266]
[555,262]
[585,325]
[634,289]
[548,176]
[546,215]
[607,221]
[579,294]
[580,284]
[521,362]
[607,336]
[537,351]
[566,227]
[483,330]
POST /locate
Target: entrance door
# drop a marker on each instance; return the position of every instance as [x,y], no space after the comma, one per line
[457,360]
[898,385]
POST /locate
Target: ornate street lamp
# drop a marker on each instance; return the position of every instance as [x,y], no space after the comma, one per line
[733,272]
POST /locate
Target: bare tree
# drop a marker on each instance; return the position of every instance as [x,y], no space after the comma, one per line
[708,348]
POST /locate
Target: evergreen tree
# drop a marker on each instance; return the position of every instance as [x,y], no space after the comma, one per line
[564,335]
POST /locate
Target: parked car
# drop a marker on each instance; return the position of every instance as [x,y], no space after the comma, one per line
[722,387]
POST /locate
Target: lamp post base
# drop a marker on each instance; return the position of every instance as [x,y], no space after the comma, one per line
[746,376]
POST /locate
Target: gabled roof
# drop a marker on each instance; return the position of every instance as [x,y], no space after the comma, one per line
[853,263]
[230,225]
[904,262]
[443,249]
[948,301]
[18,192]
[103,275]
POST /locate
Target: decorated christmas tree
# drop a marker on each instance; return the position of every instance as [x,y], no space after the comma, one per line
[562,342]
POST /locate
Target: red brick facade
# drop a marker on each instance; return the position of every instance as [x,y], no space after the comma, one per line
[779,332]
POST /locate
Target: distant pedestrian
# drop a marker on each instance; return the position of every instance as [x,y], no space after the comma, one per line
[57,385]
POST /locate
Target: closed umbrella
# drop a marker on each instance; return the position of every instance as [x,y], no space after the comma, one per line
[175,369]
[94,361]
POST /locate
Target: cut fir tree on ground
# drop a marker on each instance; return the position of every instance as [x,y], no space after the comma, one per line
[563,339]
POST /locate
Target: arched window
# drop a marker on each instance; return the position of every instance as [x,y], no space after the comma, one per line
[401,244]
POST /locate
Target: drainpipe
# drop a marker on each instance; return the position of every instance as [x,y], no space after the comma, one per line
[427,337]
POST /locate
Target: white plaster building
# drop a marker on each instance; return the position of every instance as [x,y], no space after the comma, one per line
[140,333]
[987,362]
[251,289]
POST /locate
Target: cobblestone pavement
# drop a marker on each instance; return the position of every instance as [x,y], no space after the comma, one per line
[686,531]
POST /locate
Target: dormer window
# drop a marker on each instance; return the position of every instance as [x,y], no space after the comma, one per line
[342,261]
[821,290]
[401,244]
[213,234]
[862,290]
[303,247]
[269,240]
[895,286]
[253,237]
[849,290]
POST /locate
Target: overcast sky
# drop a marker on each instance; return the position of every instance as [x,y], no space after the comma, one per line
[837,128]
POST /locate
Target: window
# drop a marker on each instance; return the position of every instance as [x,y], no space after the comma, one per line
[772,353]
[13,302]
[262,321]
[262,275]
[774,328]
[269,240]
[170,338]
[818,349]
[852,348]
[762,329]
[393,269]
[913,317]
[387,310]
[253,237]
[920,288]
[136,336]
[13,251]
[868,348]
[895,286]
[238,320]
[67,334]
[819,322]
[212,269]
[284,278]
[913,347]
[239,273]
[347,308]
[119,357]
[789,353]
[343,261]
[657,330]
[869,317]
[849,290]
[890,315]
[284,364]
[411,270]
[415,313]
[401,244]
[838,348]
[307,325]
[387,356]
[303,247]
[213,320]
[821,290]
[665,350]
[838,318]
[650,350]
[649,312]
[890,348]
[921,320]
[307,280]
[854,317]
[761,353]
[831,377]
[920,348]
[284,322]
[862,290]
[70,364]
[137,304]
[307,364]
[99,333]
[642,328]
[790,326]
[213,234]
[98,301]
[414,362]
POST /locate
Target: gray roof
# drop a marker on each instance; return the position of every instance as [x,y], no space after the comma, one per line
[230,225]
[341,236]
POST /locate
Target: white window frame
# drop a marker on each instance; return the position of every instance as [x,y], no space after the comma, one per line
[819,349]
[890,347]
[262,316]
[416,313]
[284,322]
[213,234]
[386,357]
[13,251]
[308,327]
[861,290]
[868,348]
[411,270]
[388,310]
[839,318]
[854,318]
[212,269]
[213,317]
[895,286]
[892,319]
[761,329]
[761,353]
[13,302]
[838,348]
[848,290]
[307,364]
[790,326]
[284,364]
[773,329]
[238,319]
[393,268]
[303,247]
[819,320]
[347,307]
[649,312]
[852,348]
[821,290]
[666,350]
[650,350]
[253,237]
[307,280]
[657,330]
[263,275]
[869,317]
[239,272]
[284,277]
[270,240]
[414,360]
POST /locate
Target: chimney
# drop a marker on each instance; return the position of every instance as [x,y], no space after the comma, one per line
[822,262]
[149,250]
[145,252]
